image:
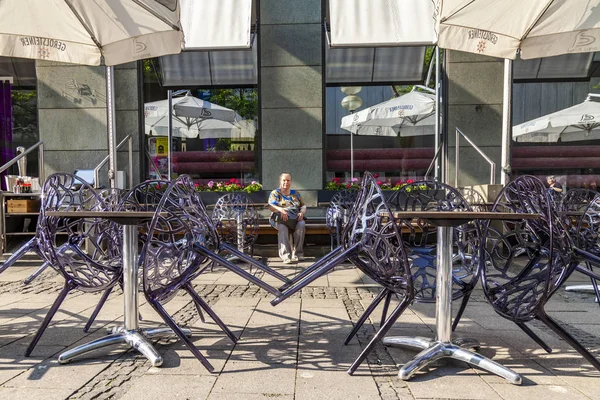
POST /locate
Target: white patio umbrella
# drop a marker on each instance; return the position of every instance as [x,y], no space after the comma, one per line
[503,28]
[580,122]
[89,32]
[534,28]
[193,117]
[205,129]
[412,114]
[406,115]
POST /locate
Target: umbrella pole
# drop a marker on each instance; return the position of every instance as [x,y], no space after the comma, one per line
[111,126]
[506,122]
[351,156]
[169,131]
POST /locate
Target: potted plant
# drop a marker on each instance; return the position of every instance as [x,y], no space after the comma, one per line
[213,190]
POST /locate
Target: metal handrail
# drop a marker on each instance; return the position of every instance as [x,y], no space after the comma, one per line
[457,151]
[40,146]
[431,165]
[127,138]
[154,167]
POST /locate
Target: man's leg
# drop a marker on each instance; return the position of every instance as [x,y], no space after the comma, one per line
[299,232]
[283,242]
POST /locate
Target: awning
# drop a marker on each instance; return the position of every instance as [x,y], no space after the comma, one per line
[370,42]
[219,45]
[399,65]
[210,68]
[217,24]
[378,23]
[20,70]
[567,66]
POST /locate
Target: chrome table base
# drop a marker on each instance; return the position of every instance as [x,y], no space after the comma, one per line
[442,346]
[138,339]
[130,332]
[434,350]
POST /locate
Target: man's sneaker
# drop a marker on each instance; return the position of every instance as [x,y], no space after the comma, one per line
[287,261]
[294,259]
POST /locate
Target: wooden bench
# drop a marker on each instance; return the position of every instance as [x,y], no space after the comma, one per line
[314,226]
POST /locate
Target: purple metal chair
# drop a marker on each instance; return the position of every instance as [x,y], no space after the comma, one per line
[179,244]
[90,260]
[420,238]
[236,220]
[338,212]
[527,261]
[371,240]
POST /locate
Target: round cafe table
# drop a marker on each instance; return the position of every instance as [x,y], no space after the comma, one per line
[443,346]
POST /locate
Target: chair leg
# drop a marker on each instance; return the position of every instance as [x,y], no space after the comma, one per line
[535,337]
[559,330]
[365,315]
[18,254]
[386,305]
[594,283]
[53,309]
[201,303]
[37,273]
[169,321]
[97,309]
[380,333]
[461,310]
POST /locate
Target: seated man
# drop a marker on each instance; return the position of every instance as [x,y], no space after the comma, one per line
[288,211]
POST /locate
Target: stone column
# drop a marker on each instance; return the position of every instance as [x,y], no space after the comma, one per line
[291,94]
[72,116]
[475,107]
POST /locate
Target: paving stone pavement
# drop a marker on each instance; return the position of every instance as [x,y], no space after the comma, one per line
[292,351]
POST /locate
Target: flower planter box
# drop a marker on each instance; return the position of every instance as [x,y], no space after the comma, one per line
[324,196]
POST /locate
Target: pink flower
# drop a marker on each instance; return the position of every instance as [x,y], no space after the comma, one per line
[337,180]
[197,185]
[211,184]
[254,183]
[409,181]
[379,183]
[375,176]
[354,180]
[348,186]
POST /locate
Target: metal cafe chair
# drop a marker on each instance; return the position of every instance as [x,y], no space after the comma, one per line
[180,243]
[337,214]
[90,260]
[420,240]
[374,245]
[236,220]
[526,262]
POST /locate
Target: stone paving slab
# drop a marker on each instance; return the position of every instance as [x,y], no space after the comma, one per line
[292,351]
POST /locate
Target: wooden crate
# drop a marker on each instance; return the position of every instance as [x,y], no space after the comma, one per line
[22,205]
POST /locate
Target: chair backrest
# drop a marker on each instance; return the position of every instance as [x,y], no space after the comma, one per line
[572,203]
[180,221]
[474,198]
[421,237]
[91,257]
[339,209]
[587,234]
[382,254]
[236,219]
[527,260]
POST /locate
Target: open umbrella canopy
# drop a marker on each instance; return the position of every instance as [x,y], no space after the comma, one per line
[84,31]
[206,129]
[411,114]
[580,122]
[536,28]
[195,118]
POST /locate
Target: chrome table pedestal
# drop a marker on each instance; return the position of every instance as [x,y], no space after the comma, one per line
[443,346]
[130,332]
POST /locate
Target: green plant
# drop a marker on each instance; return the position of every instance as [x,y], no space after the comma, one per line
[232,185]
